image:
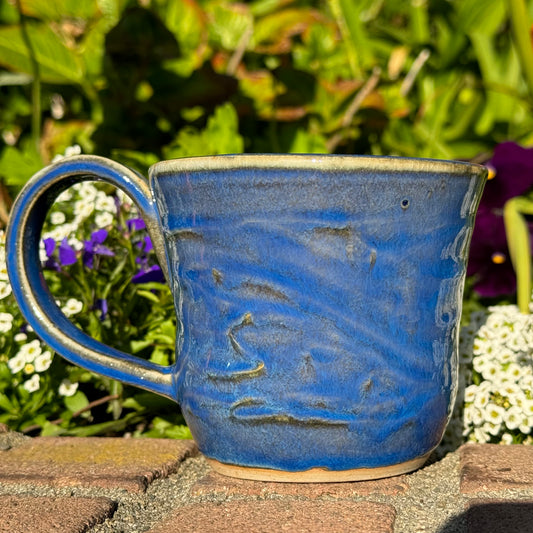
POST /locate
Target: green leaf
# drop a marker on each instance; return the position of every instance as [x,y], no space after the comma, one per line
[76,402]
[18,166]
[148,295]
[519,243]
[5,403]
[60,9]
[308,143]
[486,16]
[57,63]
[221,136]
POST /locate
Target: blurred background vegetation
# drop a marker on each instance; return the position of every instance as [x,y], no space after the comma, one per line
[141,80]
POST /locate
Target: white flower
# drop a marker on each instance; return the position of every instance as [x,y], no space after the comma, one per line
[507,438]
[480,435]
[480,361]
[492,428]
[473,416]
[3,271]
[32,384]
[67,388]
[513,417]
[491,372]
[16,364]
[43,361]
[105,203]
[494,413]
[5,289]
[30,351]
[57,217]
[103,219]
[69,152]
[87,191]
[527,407]
[83,209]
[525,426]
[72,307]
[513,371]
[20,337]
[482,399]
[6,322]
[65,196]
[470,393]
[75,243]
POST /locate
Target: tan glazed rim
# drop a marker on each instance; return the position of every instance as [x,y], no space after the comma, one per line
[330,162]
[317,475]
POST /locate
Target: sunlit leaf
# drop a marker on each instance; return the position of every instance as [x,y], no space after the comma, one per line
[57,64]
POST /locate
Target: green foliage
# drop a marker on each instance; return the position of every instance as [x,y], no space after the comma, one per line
[146,77]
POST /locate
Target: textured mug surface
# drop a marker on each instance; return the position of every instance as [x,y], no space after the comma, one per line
[318,301]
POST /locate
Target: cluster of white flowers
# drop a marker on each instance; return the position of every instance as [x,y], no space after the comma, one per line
[5,287]
[32,356]
[87,201]
[495,396]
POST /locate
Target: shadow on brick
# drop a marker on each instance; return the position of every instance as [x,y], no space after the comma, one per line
[493,516]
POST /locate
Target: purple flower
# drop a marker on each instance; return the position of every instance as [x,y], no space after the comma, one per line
[489,260]
[135,224]
[148,274]
[67,254]
[94,247]
[49,246]
[102,306]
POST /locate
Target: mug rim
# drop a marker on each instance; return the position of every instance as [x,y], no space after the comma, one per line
[331,162]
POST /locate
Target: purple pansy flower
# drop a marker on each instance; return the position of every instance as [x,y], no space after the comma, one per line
[67,254]
[135,224]
[147,272]
[94,247]
[102,305]
[512,175]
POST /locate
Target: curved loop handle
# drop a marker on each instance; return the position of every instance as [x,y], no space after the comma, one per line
[29,288]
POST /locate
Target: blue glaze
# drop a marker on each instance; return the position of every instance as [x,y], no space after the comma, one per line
[318,302]
[319,311]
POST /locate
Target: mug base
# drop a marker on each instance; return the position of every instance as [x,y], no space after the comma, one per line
[316,475]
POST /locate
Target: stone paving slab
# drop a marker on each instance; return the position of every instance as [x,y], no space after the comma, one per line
[27,514]
[279,515]
[130,464]
[486,467]
[139,485]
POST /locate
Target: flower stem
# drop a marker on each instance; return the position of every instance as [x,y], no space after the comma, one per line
[36,85]
[521,27]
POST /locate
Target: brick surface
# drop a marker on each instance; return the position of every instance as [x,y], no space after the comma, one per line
[487,467]
[26,514]
[281,515]
[129,464]
[500,516]
[215,484]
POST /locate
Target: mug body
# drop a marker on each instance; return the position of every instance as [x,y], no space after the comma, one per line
[318,300]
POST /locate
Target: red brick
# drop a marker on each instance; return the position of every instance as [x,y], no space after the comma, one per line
[131,464]
[216,484]
[45,514]
[495,467]
[499,516]
[269,516]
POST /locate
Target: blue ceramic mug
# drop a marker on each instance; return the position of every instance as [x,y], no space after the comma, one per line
[318,300]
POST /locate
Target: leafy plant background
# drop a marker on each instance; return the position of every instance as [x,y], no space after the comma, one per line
[145,80]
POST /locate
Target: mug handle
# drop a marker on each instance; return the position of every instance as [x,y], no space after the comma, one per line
[29,287]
